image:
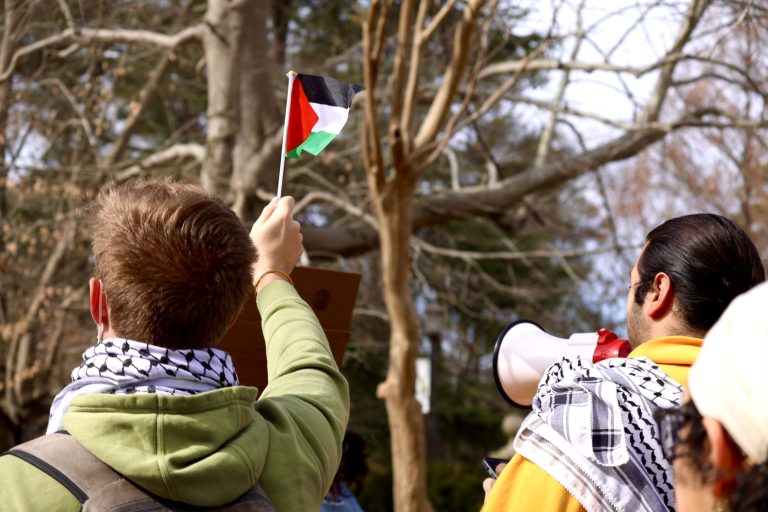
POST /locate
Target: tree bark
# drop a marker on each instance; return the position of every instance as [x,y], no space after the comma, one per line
[6,92]
[7,46]
[406,423]
[392,199]
[243,145]
[221,50]
[259,133]
[281,11]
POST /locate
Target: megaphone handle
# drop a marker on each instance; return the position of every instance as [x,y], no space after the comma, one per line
[609,345]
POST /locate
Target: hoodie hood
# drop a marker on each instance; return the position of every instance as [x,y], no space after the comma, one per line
[674,354]
[203,447]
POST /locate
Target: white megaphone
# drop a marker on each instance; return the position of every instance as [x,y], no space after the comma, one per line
[524,351]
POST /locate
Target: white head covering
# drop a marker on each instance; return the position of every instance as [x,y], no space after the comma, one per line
[729,381]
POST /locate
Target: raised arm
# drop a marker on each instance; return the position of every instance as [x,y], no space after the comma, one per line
[306,402]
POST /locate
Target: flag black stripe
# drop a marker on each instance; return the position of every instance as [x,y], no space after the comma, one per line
[328,91]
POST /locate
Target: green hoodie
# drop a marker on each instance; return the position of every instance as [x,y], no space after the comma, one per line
[208,449]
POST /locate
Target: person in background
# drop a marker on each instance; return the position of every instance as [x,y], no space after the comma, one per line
[351,473]
[591,441]
[718,439]
[155,400]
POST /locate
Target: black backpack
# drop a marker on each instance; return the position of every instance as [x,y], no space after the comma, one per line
[100,488]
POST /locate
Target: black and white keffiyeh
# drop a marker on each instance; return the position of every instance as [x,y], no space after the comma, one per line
[592,428]
[122,366]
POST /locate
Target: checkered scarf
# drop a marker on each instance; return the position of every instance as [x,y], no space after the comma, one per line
[122,366]
[592,428]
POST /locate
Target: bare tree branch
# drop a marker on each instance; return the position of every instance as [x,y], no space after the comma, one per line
[373,42]
[453,166]
[507,255]
[426,34]
[399,73]
[175,152]
[146,94]
[453,125]
[505,68]
[542,152]
[440,106]
[336,201]
[411,89]
[16,360]
[84,121]
[67,14]
[442,208]
[85,36]
[659,93]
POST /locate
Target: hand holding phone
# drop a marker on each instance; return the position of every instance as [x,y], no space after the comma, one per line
[490,464]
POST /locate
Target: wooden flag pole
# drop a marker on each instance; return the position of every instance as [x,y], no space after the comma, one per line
[291,77]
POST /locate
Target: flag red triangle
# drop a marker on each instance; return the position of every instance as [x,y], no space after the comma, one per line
[301,119]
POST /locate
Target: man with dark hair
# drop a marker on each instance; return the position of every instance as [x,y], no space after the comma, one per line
[706,259]
[155,401]
[591,441]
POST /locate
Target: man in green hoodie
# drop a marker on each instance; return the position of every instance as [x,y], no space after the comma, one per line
[155,400]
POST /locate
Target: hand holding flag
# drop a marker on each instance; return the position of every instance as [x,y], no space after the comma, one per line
[317,108]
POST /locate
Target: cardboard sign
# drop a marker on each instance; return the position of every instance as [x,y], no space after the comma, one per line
[330,293]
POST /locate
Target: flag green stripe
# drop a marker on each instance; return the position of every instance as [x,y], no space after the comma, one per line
[314,144]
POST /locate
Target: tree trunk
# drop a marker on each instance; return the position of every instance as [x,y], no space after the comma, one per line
[12,26]
[7,45]
[281,17]
[259,134]
[406,422]
[244,122]
[221,50]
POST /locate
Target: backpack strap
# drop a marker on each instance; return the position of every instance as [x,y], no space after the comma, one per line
[93,483]
[98,487]
[68,462]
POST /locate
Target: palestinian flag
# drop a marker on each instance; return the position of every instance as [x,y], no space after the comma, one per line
[319,109]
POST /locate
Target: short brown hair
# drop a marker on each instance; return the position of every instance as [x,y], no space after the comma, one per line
[175,263]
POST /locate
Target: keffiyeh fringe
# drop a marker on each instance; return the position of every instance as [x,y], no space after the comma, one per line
[121,366]
[592,428]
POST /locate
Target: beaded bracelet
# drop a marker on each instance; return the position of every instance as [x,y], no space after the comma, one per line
[272,271]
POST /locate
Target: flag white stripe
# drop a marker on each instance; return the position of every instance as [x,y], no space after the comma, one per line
[331,118]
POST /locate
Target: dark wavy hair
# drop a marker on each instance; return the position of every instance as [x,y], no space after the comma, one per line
[749,492]
[692,443]
[709,260]
[354,463]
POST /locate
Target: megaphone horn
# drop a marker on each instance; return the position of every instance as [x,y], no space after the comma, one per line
[524,351]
